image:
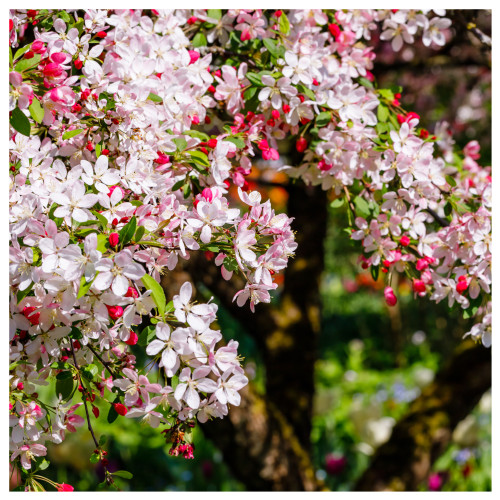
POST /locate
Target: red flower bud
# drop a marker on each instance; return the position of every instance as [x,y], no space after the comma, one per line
[133,338]
[462,286]
[105,152]
[278,13]
[334,29]
[275,114]
[29,55]
[285,108]
[114,239]
[120,409]
[115,312]
[212,143]
[418,286]
[101,34]
[95,411]
[405,241]
[78,64]
[301,144]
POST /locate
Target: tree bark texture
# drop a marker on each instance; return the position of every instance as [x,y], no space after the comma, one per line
[404,462]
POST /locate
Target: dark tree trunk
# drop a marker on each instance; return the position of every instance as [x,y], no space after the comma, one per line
[266,441]
[417,440]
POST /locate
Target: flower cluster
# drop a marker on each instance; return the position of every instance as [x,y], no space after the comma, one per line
[130,129]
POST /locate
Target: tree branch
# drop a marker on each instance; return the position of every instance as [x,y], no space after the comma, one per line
[417,440]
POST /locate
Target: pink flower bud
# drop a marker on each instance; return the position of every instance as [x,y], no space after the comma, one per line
[194,56]
[114,239]
[207,194]
[132,292]
[52,70]
[419,286]
[390,298]
[115,312]
[133,338]
[405,241]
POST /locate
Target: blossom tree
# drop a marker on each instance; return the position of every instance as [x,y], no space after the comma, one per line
[130,129]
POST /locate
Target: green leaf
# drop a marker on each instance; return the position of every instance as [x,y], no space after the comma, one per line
[112,415]
[170,307]
[199,40]
[64,375]
[36,110]
[147,335]
[323,119]
[306,91]
[181,143]
[25,64]
[374,272]
[60,365]
[23,293]
[249,93]
[102,440]
[64,16]
[337,203]
[98,149]
[284,24]
[44,464]
[255,79]
[448,208]
[21,51]
[100,219]
[90,371]
[94,458]
[199,157]
[451,181]
[20,122]
[239,143]
[387,94]
[362,207]
[214,13]
[75,333]
[85,286]
[128,231]
[196,133]
[382,113]
[65,387]
[272,47]
[102,243]
[139,233]
[230,264]
[155,98]
[365,82]
[125,474]
[156,292]
[79,26]
[71,133]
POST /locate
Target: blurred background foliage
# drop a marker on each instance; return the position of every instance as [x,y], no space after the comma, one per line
[372,361]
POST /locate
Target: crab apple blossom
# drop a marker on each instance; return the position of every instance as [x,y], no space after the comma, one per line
[132,136]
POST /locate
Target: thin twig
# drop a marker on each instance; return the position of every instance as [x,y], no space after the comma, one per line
[442,222]
[104,363]
[349,202]
[84,396]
